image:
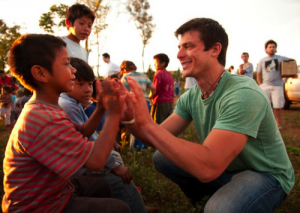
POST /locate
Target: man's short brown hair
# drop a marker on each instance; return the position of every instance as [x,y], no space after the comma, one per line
[210,32]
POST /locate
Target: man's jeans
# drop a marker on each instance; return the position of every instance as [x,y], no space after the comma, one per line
[239,192]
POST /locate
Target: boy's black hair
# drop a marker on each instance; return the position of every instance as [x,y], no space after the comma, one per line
[106,55]
[245,53]
[7,89]
[33,49]
[210,32]
[77,11]
[2,71]
[13,89]
[162,58]
[84,71]
[270,42]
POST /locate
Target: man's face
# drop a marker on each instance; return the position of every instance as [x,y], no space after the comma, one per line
[81,28]
[106,60]
[82,91]
[191,54]
[271,49]
[158,65]
[245,58]
[2,75]
[62,77]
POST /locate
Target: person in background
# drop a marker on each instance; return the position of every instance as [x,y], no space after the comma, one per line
[177,87]
[6,80]
[232,70]
[129,70]
[5,104]
[25,98]
[270,80]
[79,22]
[13,113]
[189,83]
[17,104]
[246,68]
[111,68]
[163,98]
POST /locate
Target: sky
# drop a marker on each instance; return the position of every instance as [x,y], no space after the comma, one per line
[248,23]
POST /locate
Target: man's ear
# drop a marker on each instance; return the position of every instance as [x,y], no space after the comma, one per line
[39,73]
[216,49]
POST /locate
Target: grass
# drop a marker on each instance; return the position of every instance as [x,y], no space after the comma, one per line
[159,191]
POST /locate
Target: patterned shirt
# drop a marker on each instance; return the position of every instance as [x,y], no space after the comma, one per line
[44,149]
[142,80]
[163,81]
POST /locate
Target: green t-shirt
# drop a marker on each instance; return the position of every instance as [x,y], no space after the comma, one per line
[239,105]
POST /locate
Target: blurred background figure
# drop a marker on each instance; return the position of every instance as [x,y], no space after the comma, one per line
[189,83]
[112,68]
[231,69]
[129,70]
[177,87]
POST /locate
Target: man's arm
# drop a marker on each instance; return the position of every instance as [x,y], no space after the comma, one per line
[259,78]
[242,71]
[207,161]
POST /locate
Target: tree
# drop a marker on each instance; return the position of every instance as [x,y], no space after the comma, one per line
[150,73]
[7,36]
[46,21]
[143,21]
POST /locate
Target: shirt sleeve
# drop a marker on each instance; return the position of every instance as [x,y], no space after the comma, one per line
[61,148]
[155,83]
[249,68]
[241,114]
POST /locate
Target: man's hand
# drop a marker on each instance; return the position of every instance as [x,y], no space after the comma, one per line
[123,172]
[141,113]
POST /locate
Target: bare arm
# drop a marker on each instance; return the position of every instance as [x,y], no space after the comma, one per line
[113,102]
[259,78]
[152,90]
[207,161]
[242,71]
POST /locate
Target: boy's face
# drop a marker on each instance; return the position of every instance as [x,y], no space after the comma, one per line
[62,78]
[159,65]
[82,91]
[81,28]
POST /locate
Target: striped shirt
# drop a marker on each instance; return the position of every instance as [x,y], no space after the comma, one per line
[142,80]
[44,149]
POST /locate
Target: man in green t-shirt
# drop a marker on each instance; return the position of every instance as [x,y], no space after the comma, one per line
[241,162]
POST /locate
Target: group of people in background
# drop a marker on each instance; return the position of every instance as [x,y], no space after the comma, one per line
[55,160]
[268,76]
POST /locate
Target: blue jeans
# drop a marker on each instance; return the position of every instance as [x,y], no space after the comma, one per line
[122,191]
[240,192]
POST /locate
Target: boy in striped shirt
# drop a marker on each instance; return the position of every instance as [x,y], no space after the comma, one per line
[45,147]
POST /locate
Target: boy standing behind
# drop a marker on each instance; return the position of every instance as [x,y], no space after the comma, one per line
[5,104]
[45,147]
[79,22]
[164,95]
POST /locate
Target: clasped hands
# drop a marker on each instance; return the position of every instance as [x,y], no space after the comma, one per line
[113,97]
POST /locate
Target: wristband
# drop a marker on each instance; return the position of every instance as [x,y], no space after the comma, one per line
[128,122]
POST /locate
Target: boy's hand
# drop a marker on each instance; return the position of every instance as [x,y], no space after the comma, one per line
[123,172]
[113,96]
[99,95]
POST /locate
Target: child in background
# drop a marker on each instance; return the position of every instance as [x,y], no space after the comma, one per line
[17,104]
[79,22]
[13,112]
[45,147]
[5,104]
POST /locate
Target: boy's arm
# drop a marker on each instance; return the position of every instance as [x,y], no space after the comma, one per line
[112,102]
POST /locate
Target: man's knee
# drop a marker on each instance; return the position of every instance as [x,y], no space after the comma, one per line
[160,161]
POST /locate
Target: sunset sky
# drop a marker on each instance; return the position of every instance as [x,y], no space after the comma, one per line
[248,23]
